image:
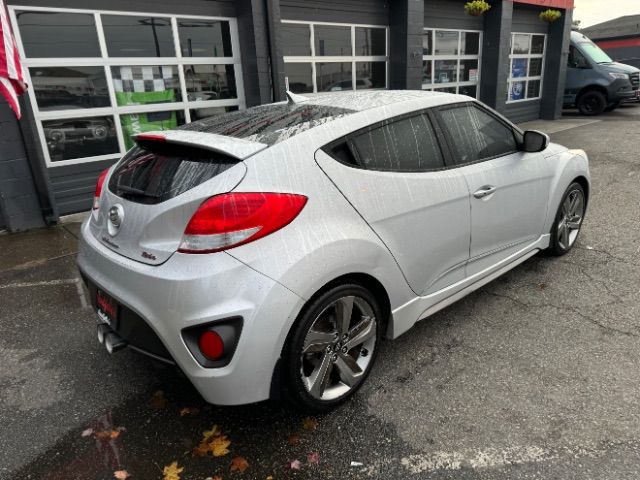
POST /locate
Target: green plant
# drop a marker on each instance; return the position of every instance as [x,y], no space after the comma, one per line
[476,7]
[550,15]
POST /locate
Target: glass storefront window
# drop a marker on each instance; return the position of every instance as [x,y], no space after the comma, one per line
[527,61]
[371,42]
[210,82]
[58,34]
[333,77]
[134,36]
[297,40]
[366,57]
[451,57]
[371,75]
[520,43]
[80,137]
[299,77]
[61,88]
[332,41]
[88,109]
[204,38]
[140,85]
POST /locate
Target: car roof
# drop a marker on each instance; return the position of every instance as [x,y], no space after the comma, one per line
[276,122]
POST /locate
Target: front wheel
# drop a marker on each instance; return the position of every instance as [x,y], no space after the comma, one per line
[569,218]
[592,103]
[332,348]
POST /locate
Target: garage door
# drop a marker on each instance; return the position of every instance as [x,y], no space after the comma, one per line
[99,77]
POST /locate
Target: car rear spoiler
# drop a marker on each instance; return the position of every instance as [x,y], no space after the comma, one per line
[233,147]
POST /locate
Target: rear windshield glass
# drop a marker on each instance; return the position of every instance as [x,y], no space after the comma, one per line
[269,124]
[155,171]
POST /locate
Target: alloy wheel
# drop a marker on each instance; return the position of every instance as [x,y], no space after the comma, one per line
[338,348]
[571,220]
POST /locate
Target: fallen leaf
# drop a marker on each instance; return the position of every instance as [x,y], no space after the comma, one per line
[219,446]
[87,432]
[313,457]
[121,474]
[106,434]
[172,472]
[215,430]
[270,477]
[158,401]
[239,464]
[295,464]
[542,286]
[189,411]
[309,423]
[293,439]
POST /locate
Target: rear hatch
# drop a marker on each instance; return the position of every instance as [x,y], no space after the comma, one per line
[150,195]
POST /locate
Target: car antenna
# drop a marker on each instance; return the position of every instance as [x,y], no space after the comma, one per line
[294,99]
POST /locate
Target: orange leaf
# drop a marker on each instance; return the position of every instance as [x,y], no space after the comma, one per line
[121,474]
[219,446]
[239,464]
[215,430]
[309,423]
[106,434]
[172,472]
[293,439]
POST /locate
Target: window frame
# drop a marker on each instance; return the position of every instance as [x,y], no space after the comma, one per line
[114,111]
[348,140]
[458,58]
[528,56]
[313,59]
[516,132]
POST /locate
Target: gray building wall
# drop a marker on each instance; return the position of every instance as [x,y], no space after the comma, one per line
[449,14]
[374,12]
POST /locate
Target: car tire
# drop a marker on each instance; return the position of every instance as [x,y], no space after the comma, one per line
[568,222]
[592,103]
[325,360]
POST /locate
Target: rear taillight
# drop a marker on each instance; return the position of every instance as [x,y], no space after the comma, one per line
[98,192]
[233,219]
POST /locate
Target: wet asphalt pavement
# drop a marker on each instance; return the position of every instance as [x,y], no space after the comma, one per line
[534,376]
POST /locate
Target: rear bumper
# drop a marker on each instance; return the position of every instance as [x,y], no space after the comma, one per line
[189,290]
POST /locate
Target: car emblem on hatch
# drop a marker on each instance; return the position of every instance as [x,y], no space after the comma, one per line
[116,215]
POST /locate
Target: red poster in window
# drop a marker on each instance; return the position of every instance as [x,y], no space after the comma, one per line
[566,4]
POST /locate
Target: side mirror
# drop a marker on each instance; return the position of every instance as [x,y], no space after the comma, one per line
[535,141]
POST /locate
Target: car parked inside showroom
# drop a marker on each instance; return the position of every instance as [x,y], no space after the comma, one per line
[267,252]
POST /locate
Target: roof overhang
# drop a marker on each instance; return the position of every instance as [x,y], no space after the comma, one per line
[564,4]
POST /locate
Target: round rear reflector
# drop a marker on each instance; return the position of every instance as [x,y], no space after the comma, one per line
[211,345]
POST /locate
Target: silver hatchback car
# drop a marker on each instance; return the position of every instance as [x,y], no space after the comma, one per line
[268,251]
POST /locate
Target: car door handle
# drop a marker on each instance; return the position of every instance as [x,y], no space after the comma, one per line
[485,191]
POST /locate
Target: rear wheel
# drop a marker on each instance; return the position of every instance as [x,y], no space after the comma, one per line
[592,102]
[568,222]
[332,348]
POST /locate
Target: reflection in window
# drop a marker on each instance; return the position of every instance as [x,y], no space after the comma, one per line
[446,43]
[535,67]
[520,43]
[134,36]
[371,41]
[470,43]
[427,73]
[332,41]
[469,90]
[333,77]
[427,43]
[537,44]
[204,38]
[297,40]
[57,35]
[298,77]
[80,137]
[210,82]
[446,71]
[59,88]
[468,70]
[476,134]
[200,113]
[527,60]
[407,145]
[371,75]
[140,85]
[136,123]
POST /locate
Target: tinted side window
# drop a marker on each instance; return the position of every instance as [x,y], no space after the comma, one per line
[476,135]
[408,145]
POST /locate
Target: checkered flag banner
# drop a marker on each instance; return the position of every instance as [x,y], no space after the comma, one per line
[11,78]
[143,79]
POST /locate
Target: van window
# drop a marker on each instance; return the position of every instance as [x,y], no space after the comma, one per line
[595,53]
[576,59]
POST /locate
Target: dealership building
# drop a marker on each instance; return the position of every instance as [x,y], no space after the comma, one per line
[101,72]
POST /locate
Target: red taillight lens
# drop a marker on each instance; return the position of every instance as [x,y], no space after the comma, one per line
[233,219]
[211,345]
[99,184]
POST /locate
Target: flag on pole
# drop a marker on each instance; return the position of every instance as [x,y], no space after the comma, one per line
[11,79]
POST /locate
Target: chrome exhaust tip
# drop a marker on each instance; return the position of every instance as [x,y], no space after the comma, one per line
[103,329]
[113,342]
